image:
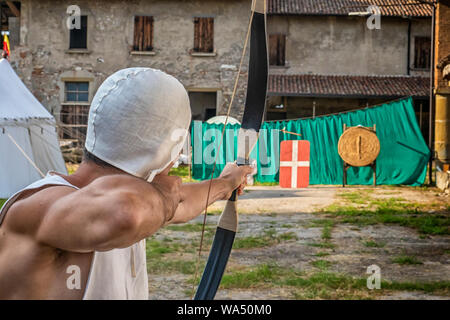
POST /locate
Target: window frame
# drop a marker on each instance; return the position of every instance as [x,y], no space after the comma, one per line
[76,92]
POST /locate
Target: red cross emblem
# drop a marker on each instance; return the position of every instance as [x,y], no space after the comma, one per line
[294,164]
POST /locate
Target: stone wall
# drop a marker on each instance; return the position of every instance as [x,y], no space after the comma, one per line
[44,62]
[344,45]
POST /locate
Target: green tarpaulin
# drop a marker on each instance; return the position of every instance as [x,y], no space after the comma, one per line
[403,157]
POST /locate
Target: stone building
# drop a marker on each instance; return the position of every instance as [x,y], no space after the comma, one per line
[324,56]
[337,57]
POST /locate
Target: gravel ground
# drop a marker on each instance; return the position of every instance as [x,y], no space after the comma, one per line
[294,212]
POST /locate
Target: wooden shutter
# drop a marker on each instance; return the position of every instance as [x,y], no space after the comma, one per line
[277,49]
[143,33]
[204,35]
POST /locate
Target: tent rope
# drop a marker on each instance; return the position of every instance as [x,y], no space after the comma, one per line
[25,155]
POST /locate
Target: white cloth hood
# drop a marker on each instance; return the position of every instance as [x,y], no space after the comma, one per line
[138,121]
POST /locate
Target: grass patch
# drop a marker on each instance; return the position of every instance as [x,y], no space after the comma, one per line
[156,249]
[2,202]
[322,254]
[405,259]
[361,209]
[158,262]
[319,285]
[321,264]
[252,242]
[429,287]
[323,245]
[263,274]
[374,244]
[160,266]
[425,223]
[327,285]
[269,238]
[183,172]
[326,232]
[358,197]
[287,236]
[327,225]
[189,227]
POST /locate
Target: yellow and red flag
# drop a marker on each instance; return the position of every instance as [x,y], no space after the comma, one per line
[6,46]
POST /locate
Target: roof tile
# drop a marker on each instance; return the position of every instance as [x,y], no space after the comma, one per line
[348,85]
[393,8]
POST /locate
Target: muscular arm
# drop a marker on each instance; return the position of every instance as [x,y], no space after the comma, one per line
[111,212]
[194,195]
[114,211]
[193,198]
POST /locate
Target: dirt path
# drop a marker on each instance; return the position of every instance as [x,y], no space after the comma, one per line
[286,228]
[274,200]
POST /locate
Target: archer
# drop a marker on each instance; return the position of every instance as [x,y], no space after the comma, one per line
[97,219]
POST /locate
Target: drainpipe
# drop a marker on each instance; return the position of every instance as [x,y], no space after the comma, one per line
[431,122]
[408,58]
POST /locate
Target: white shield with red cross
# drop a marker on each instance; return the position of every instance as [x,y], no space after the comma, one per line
[294,164]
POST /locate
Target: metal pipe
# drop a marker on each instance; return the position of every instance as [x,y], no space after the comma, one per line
[408,58]
[430,131]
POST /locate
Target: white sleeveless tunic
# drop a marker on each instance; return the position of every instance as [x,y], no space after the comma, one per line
[118,274]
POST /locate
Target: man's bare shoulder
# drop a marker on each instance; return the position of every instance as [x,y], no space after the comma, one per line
[29,210]
[26,214]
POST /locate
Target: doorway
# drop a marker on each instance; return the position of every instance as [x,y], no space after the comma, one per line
[203,105]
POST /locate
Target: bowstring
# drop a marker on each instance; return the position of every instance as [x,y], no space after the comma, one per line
[25,155]
[244,51]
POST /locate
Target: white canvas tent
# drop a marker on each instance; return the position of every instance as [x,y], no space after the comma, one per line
[29,144]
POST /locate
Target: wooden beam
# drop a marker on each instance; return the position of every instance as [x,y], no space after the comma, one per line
[13,8]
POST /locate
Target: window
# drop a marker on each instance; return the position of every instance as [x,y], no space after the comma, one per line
[78,37]
[77,92]
[277,49]
[204,35]
[422,52]
[143,33]
[8,9]
[74,116]
[10,21]
[73,122]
